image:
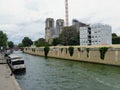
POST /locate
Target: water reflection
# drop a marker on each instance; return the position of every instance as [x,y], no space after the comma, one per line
[19,73]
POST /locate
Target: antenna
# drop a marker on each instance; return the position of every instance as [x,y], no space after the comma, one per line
[66,12]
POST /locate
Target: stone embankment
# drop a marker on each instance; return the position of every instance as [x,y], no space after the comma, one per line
[7,81]
[91,54]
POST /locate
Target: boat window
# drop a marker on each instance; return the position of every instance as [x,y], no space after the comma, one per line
[17,62]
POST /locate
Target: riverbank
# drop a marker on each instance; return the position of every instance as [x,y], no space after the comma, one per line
[7,81]
[90,54]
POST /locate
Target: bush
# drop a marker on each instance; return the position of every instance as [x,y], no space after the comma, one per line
[71,50]
[79,49]
[46,50]
[61,50]
[103,50]
[87,49]
[33,49]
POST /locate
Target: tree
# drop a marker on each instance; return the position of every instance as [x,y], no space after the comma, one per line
[27,41]
[69,36]
[10,44]
[114,35]
[3,40]
[20,45]
[71,50]
[115,39]
[40,42]
[56,41]
[46,51]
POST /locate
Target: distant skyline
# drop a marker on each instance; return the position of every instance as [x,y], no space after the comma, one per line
[20,18]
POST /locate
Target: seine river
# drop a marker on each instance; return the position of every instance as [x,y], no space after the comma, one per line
[57,74]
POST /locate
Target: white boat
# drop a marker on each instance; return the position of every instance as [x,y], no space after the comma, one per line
[16,62]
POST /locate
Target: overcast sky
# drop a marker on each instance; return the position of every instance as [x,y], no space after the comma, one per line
[20,18]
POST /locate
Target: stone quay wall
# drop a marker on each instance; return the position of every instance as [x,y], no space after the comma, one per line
[112,56]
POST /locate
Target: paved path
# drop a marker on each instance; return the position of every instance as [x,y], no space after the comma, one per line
[2,59]
[7,82]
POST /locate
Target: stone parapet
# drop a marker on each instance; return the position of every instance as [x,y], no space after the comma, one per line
[112,56]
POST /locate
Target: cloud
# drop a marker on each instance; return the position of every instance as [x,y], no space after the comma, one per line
[20,18]
[32,5]
[16,32]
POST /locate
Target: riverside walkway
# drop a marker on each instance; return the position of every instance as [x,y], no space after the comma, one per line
[7,81]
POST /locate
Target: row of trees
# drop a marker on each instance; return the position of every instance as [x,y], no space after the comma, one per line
[4,41]
[25,42]
[69,36]
[115,39]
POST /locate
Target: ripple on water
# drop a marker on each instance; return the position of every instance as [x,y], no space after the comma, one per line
[56,74]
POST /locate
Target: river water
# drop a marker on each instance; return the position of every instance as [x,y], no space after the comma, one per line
[57,74]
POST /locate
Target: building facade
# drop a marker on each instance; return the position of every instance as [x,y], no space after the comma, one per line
[96,34]
[77,24]
[49,29]
[59,26]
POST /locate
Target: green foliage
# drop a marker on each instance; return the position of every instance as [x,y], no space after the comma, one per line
[46,51]
[61,50]
[27,41]
[87,49]
[10,44]
[40,42]
[71,50]
[114,35]
[56,41]
[79,49]
[33,49]
[115,39]
[69,36]
[103,50]
[20,45]
[3,40]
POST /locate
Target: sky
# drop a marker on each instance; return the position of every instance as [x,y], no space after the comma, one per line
[26,18]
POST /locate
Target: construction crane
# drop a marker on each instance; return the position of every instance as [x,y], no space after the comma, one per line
[66,13]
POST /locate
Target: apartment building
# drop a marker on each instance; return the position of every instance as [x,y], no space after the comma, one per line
[96,34]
